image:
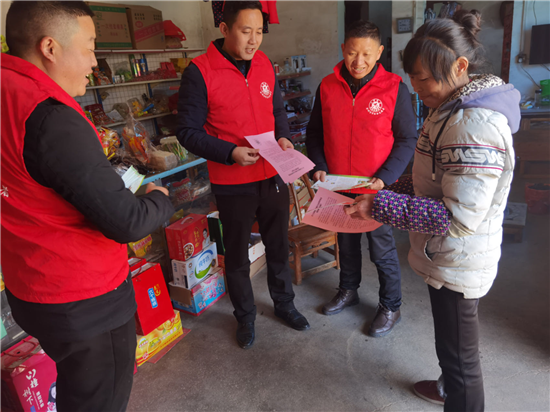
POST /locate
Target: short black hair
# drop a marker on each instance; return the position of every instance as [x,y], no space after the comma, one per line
[362,29]
[231,10]
[440,42]
[28,22]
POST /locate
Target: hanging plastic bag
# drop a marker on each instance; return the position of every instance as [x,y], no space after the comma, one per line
[136,140]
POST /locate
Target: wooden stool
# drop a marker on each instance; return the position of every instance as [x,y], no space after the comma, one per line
[305,240]
[514,222]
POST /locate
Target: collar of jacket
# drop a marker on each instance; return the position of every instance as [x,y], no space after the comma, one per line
[218,60]
[27,69]
[379,77]
[42,81]
[350,80]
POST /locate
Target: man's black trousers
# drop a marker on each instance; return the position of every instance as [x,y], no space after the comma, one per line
[237,213]
[95,374]
[382,253]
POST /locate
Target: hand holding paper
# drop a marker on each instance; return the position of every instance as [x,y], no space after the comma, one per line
[289,163]
[362,208]
[245,156]
[328,211]
[336,183]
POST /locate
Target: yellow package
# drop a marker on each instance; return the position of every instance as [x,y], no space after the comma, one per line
[141,247]
[151,344]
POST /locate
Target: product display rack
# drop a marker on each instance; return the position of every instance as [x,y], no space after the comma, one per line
[158,176]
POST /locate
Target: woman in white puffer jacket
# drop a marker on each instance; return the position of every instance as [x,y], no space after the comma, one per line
[454,205]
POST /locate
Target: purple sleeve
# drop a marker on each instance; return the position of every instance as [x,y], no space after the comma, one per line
[411,213]
[403,186]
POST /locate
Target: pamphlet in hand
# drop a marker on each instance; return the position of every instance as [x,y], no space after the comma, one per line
[290,163]
[327,211]
[340,183]
[132,179]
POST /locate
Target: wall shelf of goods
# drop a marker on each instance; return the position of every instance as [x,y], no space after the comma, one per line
[120,93]
[293,89]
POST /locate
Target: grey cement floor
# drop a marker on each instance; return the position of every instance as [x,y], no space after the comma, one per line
[335,366]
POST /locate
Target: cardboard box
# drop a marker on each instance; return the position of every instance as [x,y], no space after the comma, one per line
[152,343]
[194,270]
[256,250]
[187,237]
[28,378]
[258,265]
[146,27]
[201,297]
[153,301]
[111,26]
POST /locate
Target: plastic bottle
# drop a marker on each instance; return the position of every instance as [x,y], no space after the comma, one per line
[538,98]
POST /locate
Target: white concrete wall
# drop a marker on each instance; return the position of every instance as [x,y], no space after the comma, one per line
[4,6]
[492,31]
[380,13]
[523,10]
[307,27]
[400,9]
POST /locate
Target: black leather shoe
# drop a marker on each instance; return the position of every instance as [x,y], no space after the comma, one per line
[245,335]
[293,318]
[342,300]
[384,321]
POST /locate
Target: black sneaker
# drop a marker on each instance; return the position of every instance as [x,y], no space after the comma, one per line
[245,335]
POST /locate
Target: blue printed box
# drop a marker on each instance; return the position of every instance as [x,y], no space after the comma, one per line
[200,297]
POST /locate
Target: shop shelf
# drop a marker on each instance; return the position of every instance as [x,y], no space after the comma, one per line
[157,176]
[296,95]
[175,79]
[293,75]
[182,50]
[139,119]
[299,116]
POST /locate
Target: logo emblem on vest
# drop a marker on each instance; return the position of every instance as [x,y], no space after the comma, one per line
[375,107]
[265,90]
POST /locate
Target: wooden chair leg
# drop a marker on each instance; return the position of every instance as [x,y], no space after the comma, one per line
[298,265]
[315,254]
[337,252]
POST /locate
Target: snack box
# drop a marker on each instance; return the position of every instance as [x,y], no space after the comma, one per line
[111,26]
[201,297]
[153,301]
[152,343]
[28,378]
[187,237]
[194,270]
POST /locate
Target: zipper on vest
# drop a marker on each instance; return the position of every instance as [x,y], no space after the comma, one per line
[255,122]
[351,133]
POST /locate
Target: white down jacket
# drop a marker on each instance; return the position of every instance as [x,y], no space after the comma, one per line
[474,163]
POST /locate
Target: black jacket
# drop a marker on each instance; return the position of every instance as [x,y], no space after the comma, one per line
[63,153]
[403,127]
[192,114]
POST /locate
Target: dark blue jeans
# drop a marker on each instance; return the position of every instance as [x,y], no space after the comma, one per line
[382,253]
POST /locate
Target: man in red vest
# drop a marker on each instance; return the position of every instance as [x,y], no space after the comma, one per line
[66,214]
[226,94]
[363,124]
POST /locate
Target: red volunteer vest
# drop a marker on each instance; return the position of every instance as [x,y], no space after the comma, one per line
[50,252]
[238,107]
[357,132]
